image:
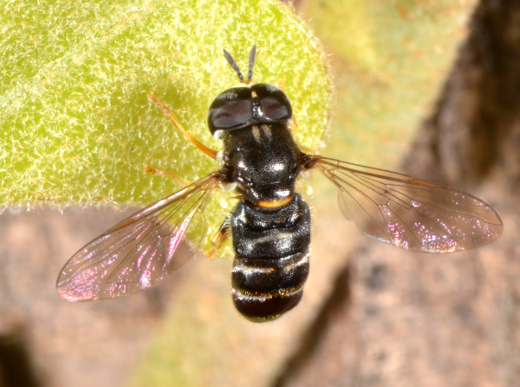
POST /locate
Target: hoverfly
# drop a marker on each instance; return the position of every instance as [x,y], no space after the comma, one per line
[270,226]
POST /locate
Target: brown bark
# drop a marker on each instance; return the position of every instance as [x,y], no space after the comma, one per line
[475,125]
[45,341]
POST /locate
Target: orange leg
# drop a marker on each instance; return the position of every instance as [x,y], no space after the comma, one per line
[220,237]
[210,152]
[173,175]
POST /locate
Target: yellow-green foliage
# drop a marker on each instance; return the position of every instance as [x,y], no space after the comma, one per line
[76,124]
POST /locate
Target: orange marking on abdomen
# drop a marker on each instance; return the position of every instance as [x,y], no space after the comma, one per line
[274,203]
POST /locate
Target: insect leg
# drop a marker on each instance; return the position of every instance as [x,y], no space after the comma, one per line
[173,175]
[221,236]
[210,152]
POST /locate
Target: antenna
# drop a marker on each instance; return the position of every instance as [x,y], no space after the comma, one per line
[234,65]
[251,64]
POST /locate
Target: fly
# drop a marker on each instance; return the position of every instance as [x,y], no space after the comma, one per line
[271,224]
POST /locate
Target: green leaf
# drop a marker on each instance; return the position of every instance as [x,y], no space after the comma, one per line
[77,126]
[76,122]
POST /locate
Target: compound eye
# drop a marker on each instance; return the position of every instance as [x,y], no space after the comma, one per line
[274,102]
[274,108]
[232,113]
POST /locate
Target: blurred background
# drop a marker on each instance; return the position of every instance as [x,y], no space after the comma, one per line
[429,88]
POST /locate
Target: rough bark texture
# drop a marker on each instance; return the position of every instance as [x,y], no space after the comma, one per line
[474,128]
[450,320]
[45,341]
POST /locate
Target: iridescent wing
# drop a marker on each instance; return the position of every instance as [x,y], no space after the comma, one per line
[138,252]
[410,213]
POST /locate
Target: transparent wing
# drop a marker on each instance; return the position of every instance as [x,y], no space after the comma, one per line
[138,252]
[410,213]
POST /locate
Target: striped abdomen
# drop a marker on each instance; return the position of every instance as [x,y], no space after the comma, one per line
[272,258]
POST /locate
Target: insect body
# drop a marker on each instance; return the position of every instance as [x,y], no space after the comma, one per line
[270,225]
